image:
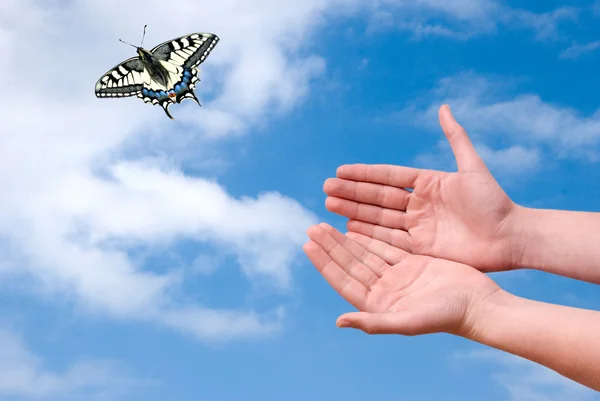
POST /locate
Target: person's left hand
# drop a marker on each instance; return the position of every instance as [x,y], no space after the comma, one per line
[416,295]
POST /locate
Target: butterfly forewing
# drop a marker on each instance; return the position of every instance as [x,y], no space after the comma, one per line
[125,79]
[187,51]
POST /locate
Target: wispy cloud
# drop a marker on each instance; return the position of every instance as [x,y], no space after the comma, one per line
[576,50]
[596,8]
[545,25]
[490,111]
[511,160]
[24,375]
[525,380]
[463,19]
[504,163]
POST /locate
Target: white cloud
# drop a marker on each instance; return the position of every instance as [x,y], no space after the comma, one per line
[525,380]
[511,160]
[463,19]
[576,50]
[502,162]
[23,375]
[545,25]
[489,113]
[596,8]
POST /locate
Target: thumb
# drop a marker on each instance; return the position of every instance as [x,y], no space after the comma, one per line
[379,323]
[467,158]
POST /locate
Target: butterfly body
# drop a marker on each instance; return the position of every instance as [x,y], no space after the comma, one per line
[164,75]
[157,72]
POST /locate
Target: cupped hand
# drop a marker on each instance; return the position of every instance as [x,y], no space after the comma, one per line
[417,295]
[463,216]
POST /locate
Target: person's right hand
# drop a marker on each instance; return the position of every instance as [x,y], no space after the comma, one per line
[464,216]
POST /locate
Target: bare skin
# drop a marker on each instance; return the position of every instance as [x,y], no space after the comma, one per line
[418,295]
[463,216]
[421,295]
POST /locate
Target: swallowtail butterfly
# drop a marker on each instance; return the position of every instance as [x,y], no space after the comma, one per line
[164,75]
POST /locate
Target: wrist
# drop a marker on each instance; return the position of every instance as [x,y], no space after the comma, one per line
[522,224]
[483,312]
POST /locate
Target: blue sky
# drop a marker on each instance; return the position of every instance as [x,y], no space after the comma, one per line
[146,259]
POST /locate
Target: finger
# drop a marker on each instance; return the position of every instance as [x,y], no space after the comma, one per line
[341,257]
[366,192]
[396,176]
[396,238]
[390,254]
[368,213]
[369,259]
[466,156]
[350,289]
[381,323]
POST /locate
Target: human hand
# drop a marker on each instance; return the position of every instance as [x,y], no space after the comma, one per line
[463,216]
[417,295]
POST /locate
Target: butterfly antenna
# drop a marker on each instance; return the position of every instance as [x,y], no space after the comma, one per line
[127,43]
[144,35]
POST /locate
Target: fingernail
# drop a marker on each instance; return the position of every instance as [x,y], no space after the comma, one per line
[343,324]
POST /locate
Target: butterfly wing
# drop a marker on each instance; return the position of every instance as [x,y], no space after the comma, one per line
[180,57]
[125,79]
[187,51]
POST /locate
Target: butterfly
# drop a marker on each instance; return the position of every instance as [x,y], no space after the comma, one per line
[165,75]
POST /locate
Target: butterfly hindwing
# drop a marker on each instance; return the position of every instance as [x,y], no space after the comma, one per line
[183,88]
[125,79]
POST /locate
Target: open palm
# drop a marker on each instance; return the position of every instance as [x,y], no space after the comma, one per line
[418,295]
[464,216]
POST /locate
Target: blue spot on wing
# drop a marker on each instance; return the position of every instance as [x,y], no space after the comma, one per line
[183,85]
[175,93]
